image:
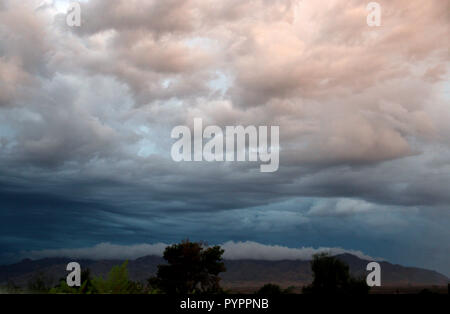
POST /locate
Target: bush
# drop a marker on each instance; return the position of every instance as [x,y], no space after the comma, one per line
[116,282]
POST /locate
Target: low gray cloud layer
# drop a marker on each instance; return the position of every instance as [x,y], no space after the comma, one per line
[233,251]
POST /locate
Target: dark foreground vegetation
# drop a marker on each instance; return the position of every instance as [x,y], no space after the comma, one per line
[194,268]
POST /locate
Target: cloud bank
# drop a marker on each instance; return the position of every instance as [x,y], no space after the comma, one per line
[233,251]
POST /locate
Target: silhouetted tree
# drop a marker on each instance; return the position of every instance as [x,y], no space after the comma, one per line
[270,289]
[86,282]
[192,268]
[40,283]
[332,276]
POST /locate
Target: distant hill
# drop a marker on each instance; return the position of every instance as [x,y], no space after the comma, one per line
[239,273]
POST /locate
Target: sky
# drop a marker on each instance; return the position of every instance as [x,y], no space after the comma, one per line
[86,115]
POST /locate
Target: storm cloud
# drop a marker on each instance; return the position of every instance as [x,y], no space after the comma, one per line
[86,115]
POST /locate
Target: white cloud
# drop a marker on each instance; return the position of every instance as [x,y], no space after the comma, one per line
[233,251]
[340,207]
[254,250]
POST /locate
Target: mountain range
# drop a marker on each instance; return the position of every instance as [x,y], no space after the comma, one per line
[240,273]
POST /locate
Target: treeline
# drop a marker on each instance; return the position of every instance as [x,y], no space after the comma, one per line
[194,268]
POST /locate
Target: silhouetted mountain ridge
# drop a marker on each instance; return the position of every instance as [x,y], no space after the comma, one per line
[244,272]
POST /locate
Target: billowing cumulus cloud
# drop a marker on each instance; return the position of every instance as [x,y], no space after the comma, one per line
[86,115]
